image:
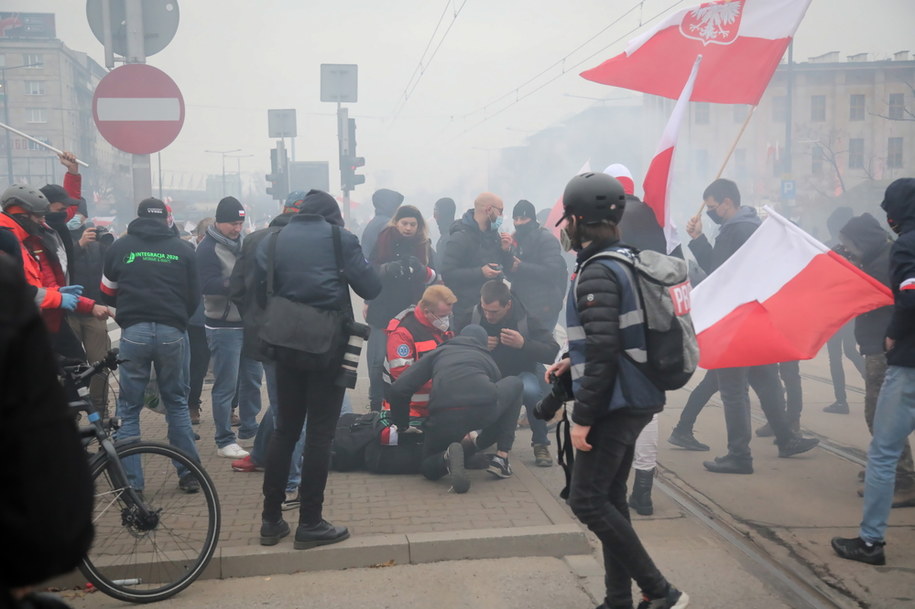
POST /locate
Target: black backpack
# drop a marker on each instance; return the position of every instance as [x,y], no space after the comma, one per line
[354,433]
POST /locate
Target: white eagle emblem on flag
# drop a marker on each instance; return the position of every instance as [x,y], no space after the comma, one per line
[713,22]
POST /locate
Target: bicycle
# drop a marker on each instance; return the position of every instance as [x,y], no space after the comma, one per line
[152,538]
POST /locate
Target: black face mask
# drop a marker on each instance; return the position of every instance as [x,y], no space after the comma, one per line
[526,228]
[714,217]
[894,226]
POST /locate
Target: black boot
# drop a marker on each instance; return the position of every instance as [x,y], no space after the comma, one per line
[640,499]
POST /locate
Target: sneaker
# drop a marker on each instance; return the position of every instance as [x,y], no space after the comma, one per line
[542,457]
[499,467]
[454,461]
[292,501]
[686,439]
[837,408]
[674,599]
[246,464]
[796,446]
[272,532]
[189,483]
[729,465]
[232,451]
[321,534]
[858,549]
[765,431]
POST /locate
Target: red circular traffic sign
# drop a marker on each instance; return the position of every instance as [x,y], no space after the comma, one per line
[138,108]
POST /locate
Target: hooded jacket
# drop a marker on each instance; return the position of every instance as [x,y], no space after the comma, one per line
[386,203]
[463,375]
[732,234]
[899,205]
[467,250]
[868,237]
[150,275]
[542,276]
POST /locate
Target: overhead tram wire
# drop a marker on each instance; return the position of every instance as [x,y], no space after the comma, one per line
[565,70]
[420,67]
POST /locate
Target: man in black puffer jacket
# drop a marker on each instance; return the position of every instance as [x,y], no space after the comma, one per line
[868,245]
[468,393]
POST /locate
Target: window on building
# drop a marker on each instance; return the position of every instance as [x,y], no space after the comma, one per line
[37,115]
[33,60]
[856,109]
[701,158]
[816,159]
[33,146]
[856,153]
[779,109]
[818,108]
[896,106]
[702,113]
[740,113]
[894,153]
[34,87]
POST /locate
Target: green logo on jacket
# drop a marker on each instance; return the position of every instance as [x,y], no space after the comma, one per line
[150,257]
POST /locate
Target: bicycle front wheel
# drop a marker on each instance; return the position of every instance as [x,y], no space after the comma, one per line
[142,556]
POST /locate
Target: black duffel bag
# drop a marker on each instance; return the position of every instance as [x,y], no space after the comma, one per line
[354,433]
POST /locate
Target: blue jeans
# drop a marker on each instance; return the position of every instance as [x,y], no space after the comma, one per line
[534,390]
[232,370]
[166,348]
[268,425]
[893,422]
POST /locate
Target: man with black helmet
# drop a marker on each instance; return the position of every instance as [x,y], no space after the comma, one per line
[614,400]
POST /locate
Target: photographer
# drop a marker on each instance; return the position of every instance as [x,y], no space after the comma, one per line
[614,400]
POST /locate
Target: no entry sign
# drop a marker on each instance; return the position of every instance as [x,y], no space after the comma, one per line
[138,108]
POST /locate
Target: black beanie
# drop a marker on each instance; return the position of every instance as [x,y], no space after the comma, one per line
[320,203]
[524,209]
[230,209]
[477,333]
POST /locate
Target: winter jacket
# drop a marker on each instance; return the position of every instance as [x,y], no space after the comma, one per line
[867,236]
[306,268]
[215,262]
[899,205]
[150,275]
[604,380]
[386,203]
[403,266]
[731,235]
[86,267]
[542,276]
[463,377]
[539,345]
[468,249]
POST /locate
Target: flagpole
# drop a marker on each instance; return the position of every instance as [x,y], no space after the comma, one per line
[730,152]
[37,141]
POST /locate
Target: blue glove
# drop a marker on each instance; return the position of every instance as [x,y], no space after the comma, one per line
[76,290]
[68,302]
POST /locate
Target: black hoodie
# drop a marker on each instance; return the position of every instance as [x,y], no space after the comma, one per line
[873,243]
[150,275]
[899,205]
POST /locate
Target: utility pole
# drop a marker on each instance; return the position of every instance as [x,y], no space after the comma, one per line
[136,53]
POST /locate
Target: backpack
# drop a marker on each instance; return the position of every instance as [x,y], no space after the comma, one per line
[663,292]
[354,432]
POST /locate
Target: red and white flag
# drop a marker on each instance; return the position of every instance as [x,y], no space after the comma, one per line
[741,41]
[557,212]
[660,171]
[779,298]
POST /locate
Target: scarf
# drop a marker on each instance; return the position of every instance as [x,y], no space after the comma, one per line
[233,245]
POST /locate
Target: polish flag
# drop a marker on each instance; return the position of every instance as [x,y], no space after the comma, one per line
[742,42]
[660,172]
[557,212]
[779,298]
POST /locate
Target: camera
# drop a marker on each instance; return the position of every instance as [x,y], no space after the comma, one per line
[103,235]
[358,334]
[560,393]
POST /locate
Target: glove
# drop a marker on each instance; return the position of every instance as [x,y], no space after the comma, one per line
[76,290]
[68,302]
[395,270]
[417,267]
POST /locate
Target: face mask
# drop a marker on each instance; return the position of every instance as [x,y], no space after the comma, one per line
[439,323]
[496,224]
[714,217]
[894,226]
[74,223]
[565,240]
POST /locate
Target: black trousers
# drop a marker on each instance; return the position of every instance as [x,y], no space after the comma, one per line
[300,395]
[597,496]
[200,362]
[790,373]
[841,342]
[497,425]
[734,383]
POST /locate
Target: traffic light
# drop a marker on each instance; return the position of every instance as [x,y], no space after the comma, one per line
[278,178]
[349,162]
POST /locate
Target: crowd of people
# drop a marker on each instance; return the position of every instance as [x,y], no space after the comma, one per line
[462,337]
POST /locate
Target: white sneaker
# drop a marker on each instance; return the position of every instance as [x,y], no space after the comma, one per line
[232,451]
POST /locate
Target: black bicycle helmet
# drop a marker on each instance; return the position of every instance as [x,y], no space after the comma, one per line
[26,197]
[592,198]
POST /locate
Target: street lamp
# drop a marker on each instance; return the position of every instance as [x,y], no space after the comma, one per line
[223,153]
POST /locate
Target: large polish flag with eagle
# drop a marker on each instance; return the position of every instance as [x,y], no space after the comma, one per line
[741,42]
[779,298]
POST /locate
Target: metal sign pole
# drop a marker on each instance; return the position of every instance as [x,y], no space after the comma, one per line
[136,53]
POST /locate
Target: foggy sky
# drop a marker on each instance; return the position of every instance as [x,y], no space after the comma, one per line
[235,59]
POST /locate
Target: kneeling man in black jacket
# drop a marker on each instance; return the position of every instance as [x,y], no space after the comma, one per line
[467,394]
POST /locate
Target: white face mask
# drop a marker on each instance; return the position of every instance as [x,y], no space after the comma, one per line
[440,323]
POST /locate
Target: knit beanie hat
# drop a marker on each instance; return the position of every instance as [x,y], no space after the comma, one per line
[477,333]
[230,209]
[524,209]
[294,202]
